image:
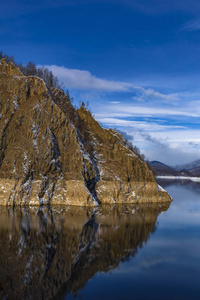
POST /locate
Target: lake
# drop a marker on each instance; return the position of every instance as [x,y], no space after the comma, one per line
[149,251]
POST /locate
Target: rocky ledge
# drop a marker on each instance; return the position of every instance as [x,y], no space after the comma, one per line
[52,153]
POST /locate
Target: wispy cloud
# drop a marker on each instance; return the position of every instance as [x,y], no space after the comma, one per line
[150,94]
[169,146]
[113,121]
[193,25]
[145,111]
[194,145]
[157,121]
[157,137]
[84,80]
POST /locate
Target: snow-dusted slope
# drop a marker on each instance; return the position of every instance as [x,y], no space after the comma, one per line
[51,153]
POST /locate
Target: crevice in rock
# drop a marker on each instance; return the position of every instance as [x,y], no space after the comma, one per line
[90,183]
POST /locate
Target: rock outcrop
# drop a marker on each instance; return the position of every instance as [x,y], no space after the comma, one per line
[52,153]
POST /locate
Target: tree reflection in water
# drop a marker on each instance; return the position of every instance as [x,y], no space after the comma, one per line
[48,252]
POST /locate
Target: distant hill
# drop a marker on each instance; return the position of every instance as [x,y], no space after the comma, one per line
[193,167]
[195,171]
[162,169]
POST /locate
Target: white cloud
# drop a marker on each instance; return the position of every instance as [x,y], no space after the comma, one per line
[169,146]
[112,121]
[148,121]
[84,80]
[169,143]
[193,25]
[152,111]
[138,99]
[150,94]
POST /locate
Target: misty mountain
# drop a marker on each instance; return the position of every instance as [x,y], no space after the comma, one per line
[162,169]
[193,167]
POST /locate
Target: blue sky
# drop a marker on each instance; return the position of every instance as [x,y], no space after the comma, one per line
[136,62]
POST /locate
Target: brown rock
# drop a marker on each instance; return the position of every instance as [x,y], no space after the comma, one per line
[51,153]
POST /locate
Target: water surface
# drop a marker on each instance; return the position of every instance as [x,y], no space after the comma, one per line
[168,265]
[149,251]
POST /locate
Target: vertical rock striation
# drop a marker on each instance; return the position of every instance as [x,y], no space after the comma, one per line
[52,153]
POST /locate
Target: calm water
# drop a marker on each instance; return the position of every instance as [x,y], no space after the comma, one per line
[130,252]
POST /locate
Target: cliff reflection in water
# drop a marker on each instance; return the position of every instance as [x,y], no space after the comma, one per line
[51,251]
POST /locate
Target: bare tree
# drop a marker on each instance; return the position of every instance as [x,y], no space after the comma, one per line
[31,69]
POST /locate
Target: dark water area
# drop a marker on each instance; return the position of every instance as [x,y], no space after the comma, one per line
[149,251]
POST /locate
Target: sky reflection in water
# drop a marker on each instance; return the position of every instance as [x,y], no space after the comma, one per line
[168,266]
[149,251]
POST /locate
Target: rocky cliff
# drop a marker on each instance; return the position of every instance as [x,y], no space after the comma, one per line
[52,153]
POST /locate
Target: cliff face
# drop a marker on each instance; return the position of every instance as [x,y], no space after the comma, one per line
[51,153]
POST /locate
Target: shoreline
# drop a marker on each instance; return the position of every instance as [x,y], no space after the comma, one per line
[195,179]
